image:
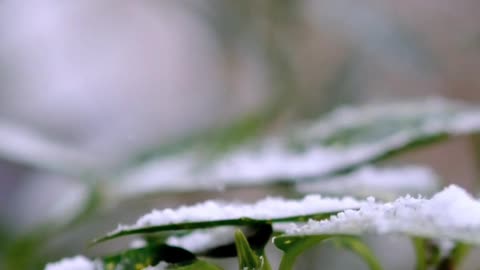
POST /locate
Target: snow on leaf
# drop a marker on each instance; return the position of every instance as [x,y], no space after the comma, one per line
[384,183]
[344,139]
[75,263]
[451,214]
[216,213]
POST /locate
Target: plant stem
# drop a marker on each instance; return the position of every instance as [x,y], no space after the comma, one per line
[420,252]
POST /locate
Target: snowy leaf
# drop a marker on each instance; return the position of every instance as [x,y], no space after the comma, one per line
[384,183]
[216,213]
[451,214]
[343,140]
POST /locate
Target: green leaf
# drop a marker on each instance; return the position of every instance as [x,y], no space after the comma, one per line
[293,246]
[246,257]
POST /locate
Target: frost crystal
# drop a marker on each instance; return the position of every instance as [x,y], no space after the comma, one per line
[269,208]
[451,214]
[75,263]
[384,183]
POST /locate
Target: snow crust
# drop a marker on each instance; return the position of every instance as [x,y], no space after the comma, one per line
[274,159]
[451,214]
[75,263]
[383,183]
[268,208]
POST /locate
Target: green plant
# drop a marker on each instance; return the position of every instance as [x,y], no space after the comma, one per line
[338,146]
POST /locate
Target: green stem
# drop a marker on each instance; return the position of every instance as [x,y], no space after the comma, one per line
[420,252]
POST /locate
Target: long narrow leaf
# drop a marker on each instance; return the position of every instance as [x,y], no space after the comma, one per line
[215,214]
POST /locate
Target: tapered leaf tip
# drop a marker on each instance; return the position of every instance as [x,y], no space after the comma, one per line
[246,256]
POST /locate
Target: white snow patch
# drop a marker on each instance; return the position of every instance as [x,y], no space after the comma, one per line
[75,263]
[451,214]
[269,208]
[202,240]
[384,183]
[160,266]
[138,243]
[273,159]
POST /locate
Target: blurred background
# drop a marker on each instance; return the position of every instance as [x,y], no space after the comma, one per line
[99,82]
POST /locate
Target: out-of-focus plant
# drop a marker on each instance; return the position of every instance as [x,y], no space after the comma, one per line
[338,144]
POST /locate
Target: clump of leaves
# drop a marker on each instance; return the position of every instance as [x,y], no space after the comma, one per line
[336,146]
